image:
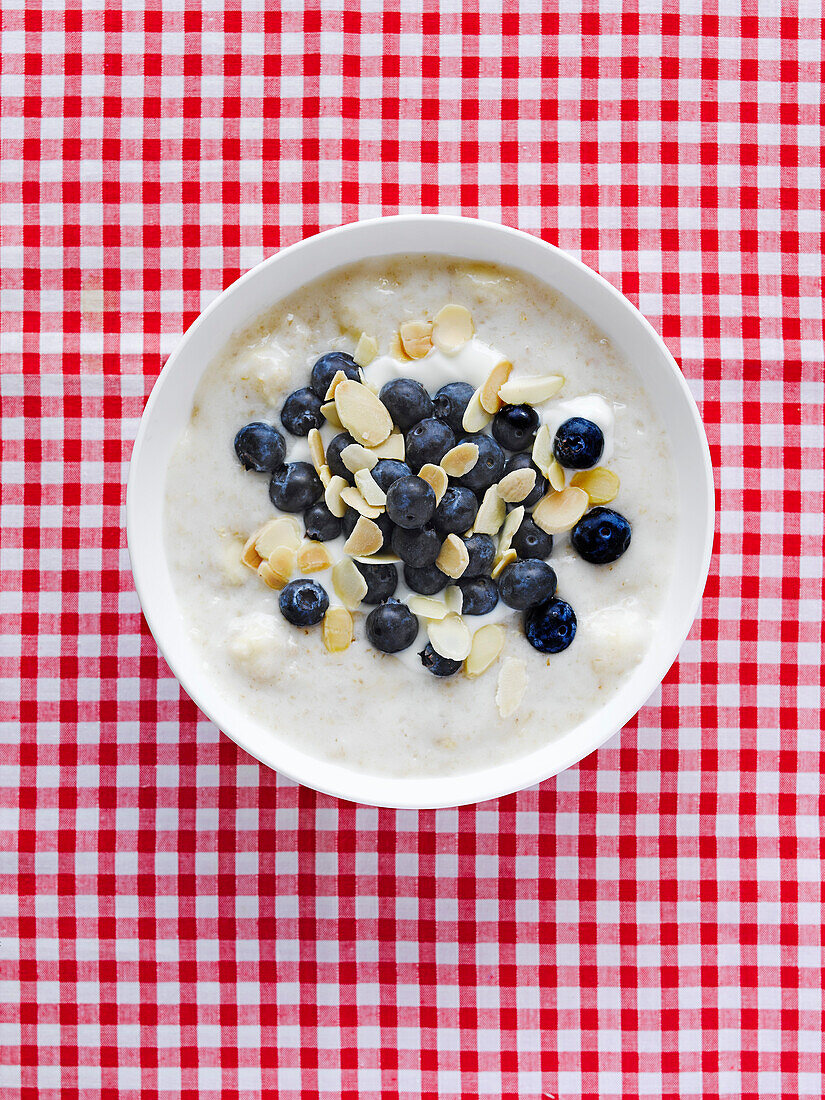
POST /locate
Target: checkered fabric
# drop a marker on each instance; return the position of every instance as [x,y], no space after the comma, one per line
[175,919]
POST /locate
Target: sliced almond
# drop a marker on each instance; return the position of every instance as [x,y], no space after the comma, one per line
[350,587]
[269,576]
[427,608]
[397,349]
[600,484]
[370,490]
[330,414]
[281,564]
[355,457]
[281,531]
[250,556]
[511,525]
[337,379]
[454,598]
[365,351]
[512,684]
[475,418]
[392,447]
[488,395]
[491,513]
[316,449]
[558,512]
[555,475]
[312,557]
[543,449]
[325,475]
[366,538]
[436,478]
[337,629]
[453,558]
[354,498]
[502,561]
[452,328]
[387,558]
[460,460]
[416,338]
[530,391]
[332,496]
[361,413]
[450,636]
[517,485]
[488,642]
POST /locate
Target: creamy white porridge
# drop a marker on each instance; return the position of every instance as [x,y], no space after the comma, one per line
[385,713]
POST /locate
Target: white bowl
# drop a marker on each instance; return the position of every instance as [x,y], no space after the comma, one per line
[167,414]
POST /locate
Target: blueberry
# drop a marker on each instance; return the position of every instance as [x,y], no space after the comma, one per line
[320,524]
[456,511]
[489,468]
[482,551]
[388,470]
[480,595]
[294,487]
[515,426]
[530,541]
[392,627]
[382,581]
[427,580]
[436,664]
[383,522]
[410,502]
[523,462]
[551,626]
[327,367]
[578,444]
[336,445]
[303,602]
[301,412]
[450,404]
[260,447]
[417,548]
[523,584]
[428,441]
[406,401]
[601,536]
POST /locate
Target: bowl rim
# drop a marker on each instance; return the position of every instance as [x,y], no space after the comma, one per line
[484,780]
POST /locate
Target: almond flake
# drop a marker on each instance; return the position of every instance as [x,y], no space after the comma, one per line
[511,525]
[350,587]
[543,449]
[330,414]
[600,484]
[397,349]
[377,559]
[452,328]
[366,350]
[392,447]
[416,339]
[250,556]
[530,391]
[491,513]
[361,413]
[316,449]
[459,460]
[325,475]
[450,637]
[453,558]
[502,561]
[436,478]
[427,608]
[475,418]
[370,490]
[337,379]
[366,538]
[355,457]
[281,531]
[269,576]
[454,598]
[488,395]
[332,496]
[488,642]
[517,485]
[558,512]
[555,475]
[281,564]
[512,684]
[313,557]
[337,629]
[352,497]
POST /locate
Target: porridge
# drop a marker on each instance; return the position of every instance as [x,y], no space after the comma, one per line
[420,521]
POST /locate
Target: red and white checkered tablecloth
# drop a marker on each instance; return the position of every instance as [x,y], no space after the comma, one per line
[176,920]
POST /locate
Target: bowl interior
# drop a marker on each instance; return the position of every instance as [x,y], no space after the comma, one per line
[167,414]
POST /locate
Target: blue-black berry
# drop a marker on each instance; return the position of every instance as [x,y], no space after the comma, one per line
[523,461]
[530,541]
[294,487]
[388,470]
[601,536]
[410,502]
[428,441]
[514,426]
[392,627]
[578,444]
[480,595]
[406,401]
[327,367]
[320,524]
[523,584]
[489,468]
[427,580]
[333,455]
[450,404]
[550,627]
[456,511]
[302,411]
[482,551]
[260,447]
[303,602]
[436,664]
[382,581]
[417,548]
